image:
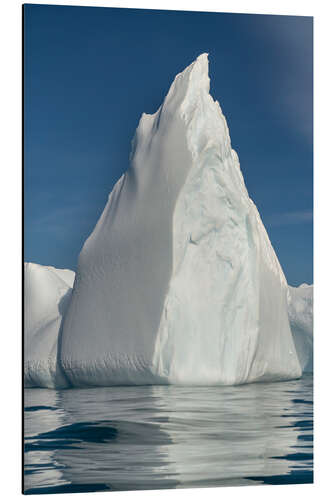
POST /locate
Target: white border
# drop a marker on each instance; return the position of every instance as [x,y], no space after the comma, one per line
[10,199]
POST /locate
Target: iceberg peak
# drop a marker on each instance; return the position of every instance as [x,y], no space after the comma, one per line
[200,67]
[198,72]
[189,83]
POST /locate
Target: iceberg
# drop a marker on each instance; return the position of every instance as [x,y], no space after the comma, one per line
[47,293]
[300,308]
[178,282]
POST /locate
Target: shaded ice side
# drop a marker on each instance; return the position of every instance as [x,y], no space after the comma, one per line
[178,283]
[225,317]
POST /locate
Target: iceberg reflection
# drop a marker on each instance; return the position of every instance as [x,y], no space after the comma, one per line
[149,437]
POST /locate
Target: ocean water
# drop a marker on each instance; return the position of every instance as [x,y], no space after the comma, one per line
[149,437]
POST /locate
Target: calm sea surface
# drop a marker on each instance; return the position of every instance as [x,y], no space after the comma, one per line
[150,437]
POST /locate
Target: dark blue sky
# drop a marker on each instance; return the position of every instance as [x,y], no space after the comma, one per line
[91,72]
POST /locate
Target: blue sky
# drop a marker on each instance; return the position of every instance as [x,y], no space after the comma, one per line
[91,72]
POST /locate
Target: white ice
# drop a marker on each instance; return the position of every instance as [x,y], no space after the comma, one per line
[44,369]
[300,308]
[179,283]
[47,292]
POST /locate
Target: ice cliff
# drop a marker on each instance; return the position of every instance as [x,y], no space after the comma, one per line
[178,283]
[47,292]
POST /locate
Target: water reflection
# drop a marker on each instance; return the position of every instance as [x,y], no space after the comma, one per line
[167,437]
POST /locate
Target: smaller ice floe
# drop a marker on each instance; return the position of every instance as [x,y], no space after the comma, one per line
[47,292]
[300,310]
